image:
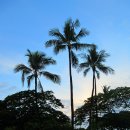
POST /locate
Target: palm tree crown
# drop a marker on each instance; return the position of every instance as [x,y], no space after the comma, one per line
[95,61]
[37,62]
[69,39]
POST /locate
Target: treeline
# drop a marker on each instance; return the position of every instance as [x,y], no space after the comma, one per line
[113,108]
[19,111]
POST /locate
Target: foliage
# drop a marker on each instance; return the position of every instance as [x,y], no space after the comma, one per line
[115,120]
[69,38]
[20,112]
[110,101]
[37,63]
[94,61]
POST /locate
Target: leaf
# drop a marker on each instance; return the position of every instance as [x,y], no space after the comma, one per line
[53,77]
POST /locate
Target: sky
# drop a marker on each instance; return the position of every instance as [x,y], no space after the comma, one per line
[24,24]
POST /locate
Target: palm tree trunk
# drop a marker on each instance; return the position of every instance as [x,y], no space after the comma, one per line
[36,91]
[91,111]
[96,103]
[71,90]
[93,86]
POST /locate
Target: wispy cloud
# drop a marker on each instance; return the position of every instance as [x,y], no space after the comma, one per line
[6,89]
[3,84]
[7,64]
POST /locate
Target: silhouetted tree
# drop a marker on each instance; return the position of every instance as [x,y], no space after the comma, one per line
[110,101]
[69,40]
[20,112]
[112,121]
[37,62]
[94,61]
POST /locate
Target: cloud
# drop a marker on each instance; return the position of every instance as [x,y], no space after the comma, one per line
[6,89]
[3,84]
[7,64]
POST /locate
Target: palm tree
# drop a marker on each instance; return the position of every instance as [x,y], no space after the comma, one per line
[106,89]
[69,40]
[37,62]
[94,61]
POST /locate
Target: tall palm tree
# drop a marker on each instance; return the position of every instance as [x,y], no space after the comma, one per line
[94,61]
[69,40]
[37,62]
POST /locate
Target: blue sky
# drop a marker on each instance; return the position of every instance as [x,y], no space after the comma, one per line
[24,24]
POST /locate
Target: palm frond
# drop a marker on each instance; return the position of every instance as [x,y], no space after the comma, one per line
[56,33]
[23,77]
[83,66]
[86,71]
[74,59]
[82,33]
[69,30]
[59,48]
[53,42]
[97,73]
[102,56]
[93,50]
[105,69]
[53,77]
[22,67]
[39,60]
[76,23]
[106,89]
[81,46]
[29,79]
[68,22]
[48,61]
[28,53]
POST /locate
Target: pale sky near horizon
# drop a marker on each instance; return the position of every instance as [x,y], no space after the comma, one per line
[24,24]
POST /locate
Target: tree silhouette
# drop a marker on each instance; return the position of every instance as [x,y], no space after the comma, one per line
[18,110]
[120,121]
[37,62]
[94,61]
[69,40]
[110,102]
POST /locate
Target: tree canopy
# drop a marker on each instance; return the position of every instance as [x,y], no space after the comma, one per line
[109,102]
[19,110]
